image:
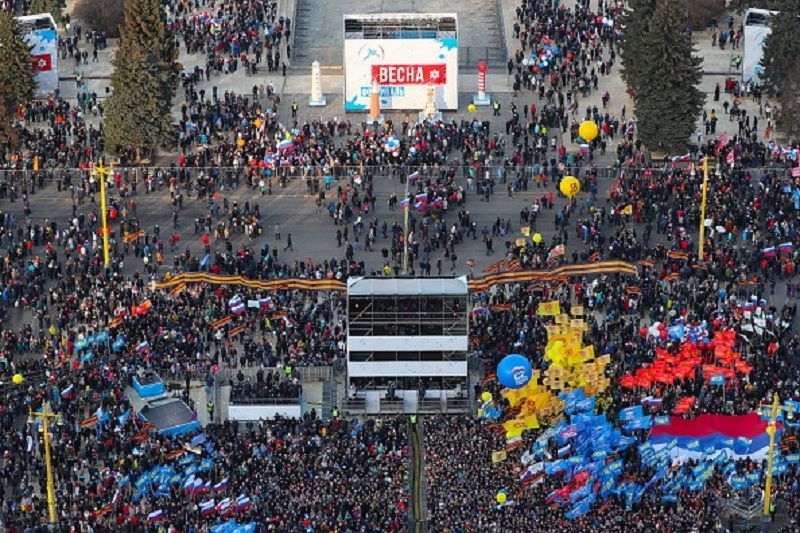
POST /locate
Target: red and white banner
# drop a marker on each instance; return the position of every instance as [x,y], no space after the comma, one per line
[410,74]
[42,63]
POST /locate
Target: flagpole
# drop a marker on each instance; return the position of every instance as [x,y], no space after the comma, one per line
[405,230]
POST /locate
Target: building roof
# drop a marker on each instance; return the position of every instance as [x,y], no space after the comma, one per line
[406,286]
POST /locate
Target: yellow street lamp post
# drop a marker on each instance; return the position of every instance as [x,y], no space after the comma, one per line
[702,239]
[45,414]
[102,173]
[772,412]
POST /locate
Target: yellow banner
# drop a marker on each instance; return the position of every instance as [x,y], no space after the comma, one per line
[551,308]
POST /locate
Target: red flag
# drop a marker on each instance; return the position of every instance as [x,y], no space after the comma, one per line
[42,63]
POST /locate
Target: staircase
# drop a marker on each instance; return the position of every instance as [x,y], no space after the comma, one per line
[330,395]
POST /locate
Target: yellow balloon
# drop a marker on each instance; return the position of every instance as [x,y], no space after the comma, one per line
[471,108]
[537,238]
[588,130]
[501,497]
[17,379]
[570,186]
[486,396]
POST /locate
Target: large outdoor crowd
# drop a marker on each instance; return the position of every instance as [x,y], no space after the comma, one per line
[351,475]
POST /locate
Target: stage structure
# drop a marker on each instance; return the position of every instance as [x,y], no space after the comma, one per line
[406,341]
[403,54]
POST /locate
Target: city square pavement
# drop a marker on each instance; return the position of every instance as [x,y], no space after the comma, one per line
[313,232]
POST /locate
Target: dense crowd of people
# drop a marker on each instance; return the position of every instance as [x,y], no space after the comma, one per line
[57,299]
[269,385]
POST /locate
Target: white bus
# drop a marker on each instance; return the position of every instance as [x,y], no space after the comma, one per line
[40,32]
[756,29]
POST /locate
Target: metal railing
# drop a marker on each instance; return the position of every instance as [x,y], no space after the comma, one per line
[305,373]
[341,175]
[239,400]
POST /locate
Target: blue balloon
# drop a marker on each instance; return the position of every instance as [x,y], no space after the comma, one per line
[514,371]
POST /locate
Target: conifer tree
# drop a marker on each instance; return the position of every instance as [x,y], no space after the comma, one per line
[635,19]
[667,99]
[789,111]
[16,68]
[138,112]
[781,46]
[46,6]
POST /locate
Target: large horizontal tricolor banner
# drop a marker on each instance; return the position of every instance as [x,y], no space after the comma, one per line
[708,435]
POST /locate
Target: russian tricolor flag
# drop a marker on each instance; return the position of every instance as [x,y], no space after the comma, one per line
[155,516]
[265,302]
[404,204]
[222,485]
[242,503]
[142,347]
[414,176]
[769,252]
[208,507]
[786,247]
[422,197]
[237,305]
[223,505]
[739,436]
[67,393]
[583,148]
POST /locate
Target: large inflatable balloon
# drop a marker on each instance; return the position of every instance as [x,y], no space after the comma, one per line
[16,379]
[588,130]
[501,497]
[514,371]
[537,238]
[569,186]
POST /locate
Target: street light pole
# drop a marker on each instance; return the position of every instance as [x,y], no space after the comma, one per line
[45,415]
[703,211]
[772,411]
[102,172]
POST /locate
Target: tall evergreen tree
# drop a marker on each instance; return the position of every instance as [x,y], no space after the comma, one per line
[789,100]
[9,136]
[635,19]
[47,6]
[16,68]
[138,112]
[781,46]
[667,100]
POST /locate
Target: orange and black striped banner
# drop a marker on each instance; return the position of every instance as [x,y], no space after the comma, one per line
[677,255]
[559,274]
[647,263]
[235,331]
[672,277]
[273,285]
[221,322]
[173,454]
[595,257]
[177,290]
[89,422]
[633,289]
[114,323]
[131,237]
[556,274]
